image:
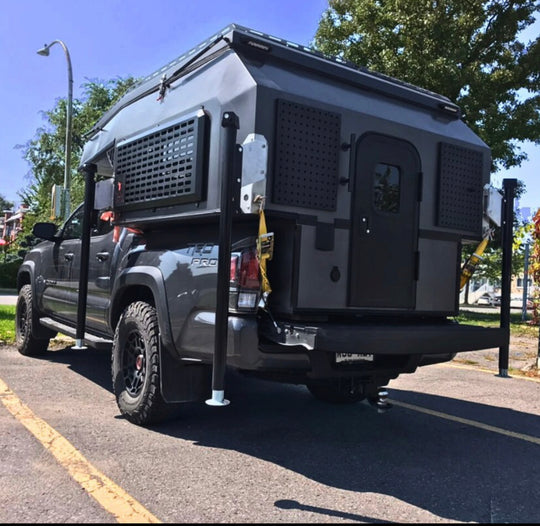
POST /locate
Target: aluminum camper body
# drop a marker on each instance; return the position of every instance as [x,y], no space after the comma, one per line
[371,184]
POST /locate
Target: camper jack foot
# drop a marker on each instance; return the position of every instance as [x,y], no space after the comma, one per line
[380,400]
[218,399]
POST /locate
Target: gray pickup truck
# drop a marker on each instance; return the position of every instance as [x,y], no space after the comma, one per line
[364,189]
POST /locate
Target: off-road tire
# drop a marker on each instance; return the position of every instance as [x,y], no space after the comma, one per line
[337,390]
[136,366]
[26,343]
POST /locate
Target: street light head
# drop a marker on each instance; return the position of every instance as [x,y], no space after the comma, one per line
[44,51]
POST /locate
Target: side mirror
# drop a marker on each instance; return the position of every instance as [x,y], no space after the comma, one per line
[45,231]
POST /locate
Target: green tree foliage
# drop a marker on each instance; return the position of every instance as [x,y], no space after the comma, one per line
[46,151]
[535,270]
[467,50]
[5,204]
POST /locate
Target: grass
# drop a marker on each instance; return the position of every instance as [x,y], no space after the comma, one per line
[492,319]
[7,324]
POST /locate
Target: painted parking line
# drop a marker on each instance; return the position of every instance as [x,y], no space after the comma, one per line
[468,422]
[108,494]
[490,371]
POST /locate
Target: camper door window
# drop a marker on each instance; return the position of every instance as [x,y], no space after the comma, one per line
[386,188]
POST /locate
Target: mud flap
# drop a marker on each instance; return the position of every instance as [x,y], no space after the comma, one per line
[183,381]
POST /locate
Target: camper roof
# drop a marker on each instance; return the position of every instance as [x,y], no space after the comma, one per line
[246,41]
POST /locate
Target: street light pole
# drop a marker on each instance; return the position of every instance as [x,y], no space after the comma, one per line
[44,51]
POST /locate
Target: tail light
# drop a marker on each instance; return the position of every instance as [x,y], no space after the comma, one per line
[245,282]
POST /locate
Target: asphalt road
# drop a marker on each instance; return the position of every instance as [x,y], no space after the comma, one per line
[459,445]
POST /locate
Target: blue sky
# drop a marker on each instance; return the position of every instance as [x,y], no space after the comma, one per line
[118,38]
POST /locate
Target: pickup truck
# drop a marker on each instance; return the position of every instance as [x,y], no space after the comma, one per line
[368,186]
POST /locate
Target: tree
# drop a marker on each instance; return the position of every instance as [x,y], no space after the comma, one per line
[46,154]
[5,204]
[535,274]
[535,271]
[467,50]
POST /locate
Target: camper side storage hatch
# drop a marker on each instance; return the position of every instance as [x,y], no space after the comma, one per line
[160,170]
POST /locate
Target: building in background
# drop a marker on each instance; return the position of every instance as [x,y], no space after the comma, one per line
[11,223]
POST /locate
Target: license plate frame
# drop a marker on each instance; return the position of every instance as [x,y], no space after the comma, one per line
[348,358]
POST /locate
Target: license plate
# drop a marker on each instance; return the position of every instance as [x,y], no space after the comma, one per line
[348,357]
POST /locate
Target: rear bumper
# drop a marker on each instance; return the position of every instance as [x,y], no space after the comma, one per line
[386,338]
[294,351]
[396,347]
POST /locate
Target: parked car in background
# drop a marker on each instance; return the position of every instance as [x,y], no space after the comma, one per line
[516,302]
[488,299]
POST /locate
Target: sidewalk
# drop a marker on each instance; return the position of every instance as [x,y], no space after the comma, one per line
[8,297]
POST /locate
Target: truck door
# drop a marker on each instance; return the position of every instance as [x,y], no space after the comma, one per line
[101,256]
[384,224]
[60,286]
[99,265]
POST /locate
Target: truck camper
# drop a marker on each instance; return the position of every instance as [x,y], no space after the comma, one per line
[265,208]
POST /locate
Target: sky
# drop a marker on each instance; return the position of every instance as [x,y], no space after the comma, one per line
[120,38]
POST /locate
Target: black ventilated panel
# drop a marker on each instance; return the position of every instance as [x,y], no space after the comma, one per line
[306,156]
[460,188]
[161,168]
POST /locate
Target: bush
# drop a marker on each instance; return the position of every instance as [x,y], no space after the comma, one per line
[8,273]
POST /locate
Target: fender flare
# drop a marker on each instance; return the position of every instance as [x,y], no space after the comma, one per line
[152,278]
[28,267]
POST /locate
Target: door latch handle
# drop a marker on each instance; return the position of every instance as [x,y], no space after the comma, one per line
[102,256]
[365,224]
[69,256]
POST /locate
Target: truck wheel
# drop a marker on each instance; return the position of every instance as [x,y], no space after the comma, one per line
[25,342]
[136,367]
[337,390]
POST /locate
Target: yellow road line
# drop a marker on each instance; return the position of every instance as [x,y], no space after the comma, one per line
[108,494]
[468,422]
[491,371]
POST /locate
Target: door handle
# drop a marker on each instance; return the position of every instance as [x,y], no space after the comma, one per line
[102,256]
[69,256]
[365,224]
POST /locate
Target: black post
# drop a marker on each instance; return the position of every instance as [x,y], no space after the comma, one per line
[509,186]
[89,193]
[231,124]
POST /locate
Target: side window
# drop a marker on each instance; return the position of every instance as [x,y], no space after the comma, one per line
[103,223]
[386,188]
[73,226]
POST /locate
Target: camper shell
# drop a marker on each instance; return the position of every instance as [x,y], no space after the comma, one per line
[370,184]
[365,187]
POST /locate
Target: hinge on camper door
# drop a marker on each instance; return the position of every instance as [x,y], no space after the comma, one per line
[352,161]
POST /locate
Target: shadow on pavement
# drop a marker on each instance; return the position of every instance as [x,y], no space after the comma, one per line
[451,469]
